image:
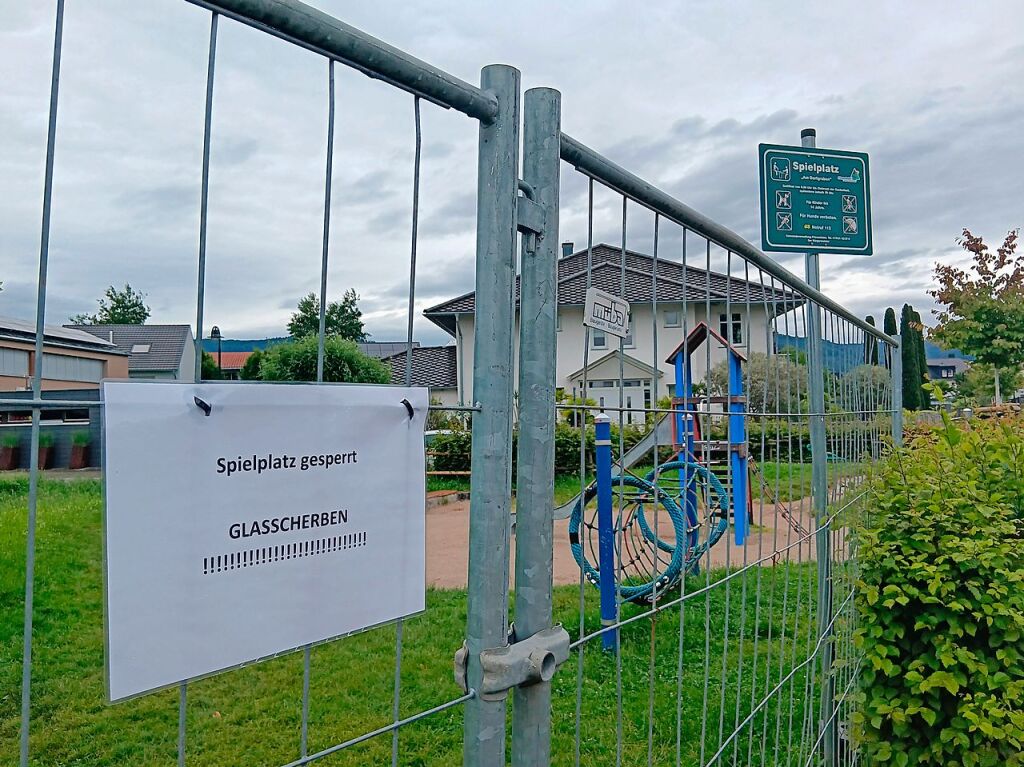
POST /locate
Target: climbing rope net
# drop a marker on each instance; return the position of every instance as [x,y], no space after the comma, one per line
[658,520]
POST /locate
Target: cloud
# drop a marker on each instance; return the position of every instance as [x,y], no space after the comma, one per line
[653,91]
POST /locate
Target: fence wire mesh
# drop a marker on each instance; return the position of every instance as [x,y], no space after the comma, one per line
[745,413]
[729,654]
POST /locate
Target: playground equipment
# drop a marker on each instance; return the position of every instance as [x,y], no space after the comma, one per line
[649,529]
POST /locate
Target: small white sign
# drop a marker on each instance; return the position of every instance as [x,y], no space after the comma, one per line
[286,515]
[606,312]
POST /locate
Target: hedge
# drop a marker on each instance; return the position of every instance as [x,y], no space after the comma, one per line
[941,601]
[451,451]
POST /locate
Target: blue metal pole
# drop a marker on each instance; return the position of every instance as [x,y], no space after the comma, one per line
[687,430]
[737,449]
[605,526]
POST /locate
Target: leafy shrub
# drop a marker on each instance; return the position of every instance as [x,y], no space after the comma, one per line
[81,438]
[210,371]
[45,439]
[941,601]
[343,362]
[10,440]
[251,367]
[567,449]
[451,451]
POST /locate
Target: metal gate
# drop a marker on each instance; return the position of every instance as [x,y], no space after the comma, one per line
[747,658]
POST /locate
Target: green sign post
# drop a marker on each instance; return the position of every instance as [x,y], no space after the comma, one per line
[814,200]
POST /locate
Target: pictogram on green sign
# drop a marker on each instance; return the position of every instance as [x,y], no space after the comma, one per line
[814,200]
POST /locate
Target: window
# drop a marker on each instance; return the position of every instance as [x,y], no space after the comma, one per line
[673,318]
[558,321]
[628,340]
[947,372]
[13,362]
[63,367]
[140,348]
[598,339]
[731,331]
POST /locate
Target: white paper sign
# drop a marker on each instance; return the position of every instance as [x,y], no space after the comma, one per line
[289,515]
[606,312]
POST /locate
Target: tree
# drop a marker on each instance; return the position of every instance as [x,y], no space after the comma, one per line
[343,362]
[210,371]
[342,318]
[117,307]
[575,409]
[976,386]
[889,327]
[911,360]
[863,389]
[774,384]
[983,306]
[251,368]
[870,344]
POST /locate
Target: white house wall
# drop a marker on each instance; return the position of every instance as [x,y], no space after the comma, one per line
[570,342]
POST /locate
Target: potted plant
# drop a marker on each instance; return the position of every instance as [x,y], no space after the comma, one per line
[9,451]
[79,450]
[45,449]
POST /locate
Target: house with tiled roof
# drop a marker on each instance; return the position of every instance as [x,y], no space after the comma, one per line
[435,367]
[154,351]
[71,359]
[740,310]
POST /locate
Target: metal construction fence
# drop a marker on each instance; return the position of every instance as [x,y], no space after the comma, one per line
[743,411]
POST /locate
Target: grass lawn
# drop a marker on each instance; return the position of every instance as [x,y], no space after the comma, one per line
[251,716]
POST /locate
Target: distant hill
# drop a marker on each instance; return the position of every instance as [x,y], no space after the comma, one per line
[933,351]
[839,358]
[377,349]
[241,345]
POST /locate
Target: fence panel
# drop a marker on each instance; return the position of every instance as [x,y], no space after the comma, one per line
[495,105]
[745,408]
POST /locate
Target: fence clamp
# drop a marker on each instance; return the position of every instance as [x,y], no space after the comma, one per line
[526,662]
[530,217]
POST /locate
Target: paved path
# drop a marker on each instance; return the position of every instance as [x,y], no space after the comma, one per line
[448,543]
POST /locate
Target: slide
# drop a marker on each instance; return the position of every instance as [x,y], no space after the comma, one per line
[662,431]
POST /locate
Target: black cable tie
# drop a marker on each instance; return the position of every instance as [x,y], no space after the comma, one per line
[206,407]
[408,406]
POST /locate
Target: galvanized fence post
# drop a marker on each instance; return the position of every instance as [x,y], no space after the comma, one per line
[535,484]
[37,393]
[896,370]
[819,489]
[490,491]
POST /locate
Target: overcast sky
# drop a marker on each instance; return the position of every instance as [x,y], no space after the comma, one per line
[680,93]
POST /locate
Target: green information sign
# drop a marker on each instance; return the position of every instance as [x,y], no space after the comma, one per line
[814,200]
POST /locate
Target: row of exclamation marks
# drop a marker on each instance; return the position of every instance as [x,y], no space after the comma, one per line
[269,554]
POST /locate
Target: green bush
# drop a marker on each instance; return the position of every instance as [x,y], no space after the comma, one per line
[451,451]
[10,440]
[80,438]
[941,601]
[251,367]
[45,439]
[210,371]
[343,362]
[567,449]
